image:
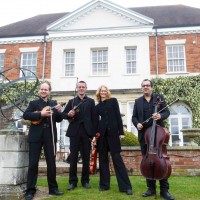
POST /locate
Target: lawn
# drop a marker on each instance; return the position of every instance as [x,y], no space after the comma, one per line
[181,187]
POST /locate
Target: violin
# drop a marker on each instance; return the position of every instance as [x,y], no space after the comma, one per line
[46,108]
[93,162]
[155,164]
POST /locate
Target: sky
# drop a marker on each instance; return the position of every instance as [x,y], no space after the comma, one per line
[13,11]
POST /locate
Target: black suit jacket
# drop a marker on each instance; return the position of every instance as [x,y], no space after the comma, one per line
[84,115]
[35,131]
[138,113]
[108,121]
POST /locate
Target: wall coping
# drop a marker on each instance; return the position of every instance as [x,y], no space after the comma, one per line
[169,148]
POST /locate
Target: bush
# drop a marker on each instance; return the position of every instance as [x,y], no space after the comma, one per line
[129,140]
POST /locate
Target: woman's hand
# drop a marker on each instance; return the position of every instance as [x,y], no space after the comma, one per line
[121,136]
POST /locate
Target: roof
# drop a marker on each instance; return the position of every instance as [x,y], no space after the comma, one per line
[164,17]
[171,16]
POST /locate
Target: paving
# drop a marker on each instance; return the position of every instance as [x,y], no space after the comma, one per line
[62,167]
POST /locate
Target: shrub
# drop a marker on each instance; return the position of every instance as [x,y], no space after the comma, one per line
[129,140]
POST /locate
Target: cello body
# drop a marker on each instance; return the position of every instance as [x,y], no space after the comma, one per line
[155,165]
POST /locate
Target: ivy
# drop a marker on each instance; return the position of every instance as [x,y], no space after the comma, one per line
[15,91]
[186,89]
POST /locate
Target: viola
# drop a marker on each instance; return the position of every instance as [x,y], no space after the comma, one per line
[46,108]
[155,164]
[93,162]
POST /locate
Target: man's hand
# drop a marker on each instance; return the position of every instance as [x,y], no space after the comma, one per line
[46,113]
[139,126]
[59,108]
[71,113]
[156,116]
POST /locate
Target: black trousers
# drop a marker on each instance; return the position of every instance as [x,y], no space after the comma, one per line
[151,184]
[34,156]
[120,169]
[82,143]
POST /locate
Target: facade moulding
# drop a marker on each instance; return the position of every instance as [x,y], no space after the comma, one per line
[52,38]
[21,40]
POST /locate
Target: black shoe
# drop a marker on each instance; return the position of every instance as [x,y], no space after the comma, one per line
[103,189]
[29,196]
[166,195]
[71,187]
[149,193]
[129,192]
[86,185]
[55,192]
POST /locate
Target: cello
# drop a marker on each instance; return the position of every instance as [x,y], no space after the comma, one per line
[155,164]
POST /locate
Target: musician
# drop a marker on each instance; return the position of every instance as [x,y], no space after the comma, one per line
[80,131]
[41,136]
[143,110]
[108,124]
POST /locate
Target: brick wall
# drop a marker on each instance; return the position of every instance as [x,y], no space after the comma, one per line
[185,161]
[192,52]
[13,51]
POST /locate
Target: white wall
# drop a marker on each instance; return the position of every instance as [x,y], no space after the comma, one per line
[116,63]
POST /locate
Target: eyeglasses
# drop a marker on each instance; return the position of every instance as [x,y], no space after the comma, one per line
[146,85]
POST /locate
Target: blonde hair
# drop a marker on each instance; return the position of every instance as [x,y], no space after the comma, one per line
[98,96]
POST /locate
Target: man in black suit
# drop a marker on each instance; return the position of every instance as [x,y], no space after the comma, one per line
[143,110]
[42,133]
[80,113]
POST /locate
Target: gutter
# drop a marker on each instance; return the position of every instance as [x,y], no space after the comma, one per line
[44,57]
[156,53]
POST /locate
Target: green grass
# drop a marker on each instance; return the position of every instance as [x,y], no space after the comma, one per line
[181,187]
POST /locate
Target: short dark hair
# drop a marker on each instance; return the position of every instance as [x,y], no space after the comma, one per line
[151,83]
[48,83]
[82,82]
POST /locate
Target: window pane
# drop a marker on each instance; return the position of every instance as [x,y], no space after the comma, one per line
[1,63]
[29,61]
[176,58]
[100,62]
[130,60]
[69,63]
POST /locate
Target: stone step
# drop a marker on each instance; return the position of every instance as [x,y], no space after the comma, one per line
[61,167]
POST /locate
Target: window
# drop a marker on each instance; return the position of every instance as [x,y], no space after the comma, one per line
[130,60]
[1,63]
[63,141]
[100,62]
[180,118]
[29,61]
[176,58]
[70,63]
[130,126]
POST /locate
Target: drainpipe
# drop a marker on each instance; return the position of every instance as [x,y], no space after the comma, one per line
[156,54]
[44,58]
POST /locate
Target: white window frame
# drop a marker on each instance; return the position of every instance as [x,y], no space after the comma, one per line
[99,67]
[30,63]
[179,117]
[131,60]
[177,57]
[1,61]
[62,127]
[130,125]
[69,63]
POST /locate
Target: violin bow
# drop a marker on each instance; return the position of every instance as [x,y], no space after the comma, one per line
[161,110]
[52,133]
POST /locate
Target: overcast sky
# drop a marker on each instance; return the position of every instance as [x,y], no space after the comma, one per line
[16,10]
